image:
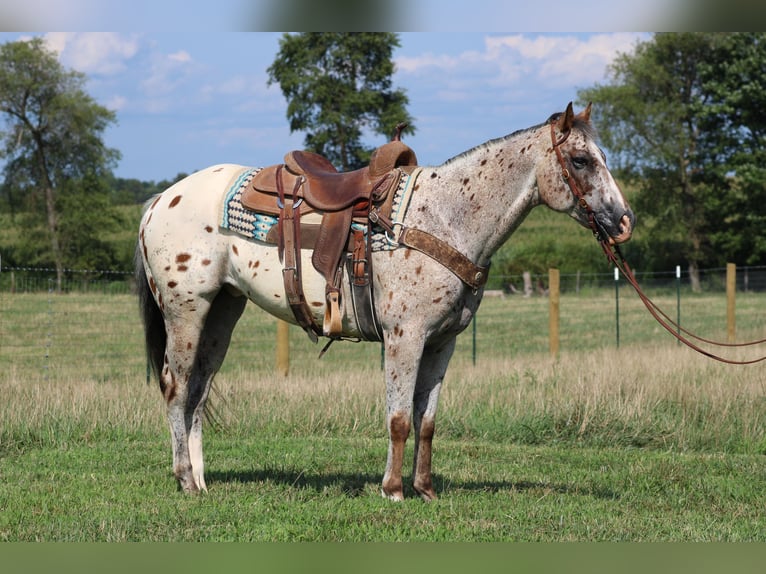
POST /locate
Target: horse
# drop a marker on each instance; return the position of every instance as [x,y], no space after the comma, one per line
[195,277]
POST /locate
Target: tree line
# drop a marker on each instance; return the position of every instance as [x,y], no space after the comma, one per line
[680,117]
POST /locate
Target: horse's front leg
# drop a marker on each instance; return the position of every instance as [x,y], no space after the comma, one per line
[433,366]
[402,359]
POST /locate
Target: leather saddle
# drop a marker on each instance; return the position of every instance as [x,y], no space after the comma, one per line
[312,177]
[308,183]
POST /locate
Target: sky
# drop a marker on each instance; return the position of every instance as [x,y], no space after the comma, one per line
[185,100]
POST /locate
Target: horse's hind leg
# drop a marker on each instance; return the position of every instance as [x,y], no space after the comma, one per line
[433,366]
[196,348]
[214,342]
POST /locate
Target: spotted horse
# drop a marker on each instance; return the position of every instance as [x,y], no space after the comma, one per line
[196,274]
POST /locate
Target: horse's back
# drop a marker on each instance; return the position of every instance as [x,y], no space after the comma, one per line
[179,234]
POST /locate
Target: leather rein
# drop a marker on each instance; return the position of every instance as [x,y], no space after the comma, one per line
[613,253]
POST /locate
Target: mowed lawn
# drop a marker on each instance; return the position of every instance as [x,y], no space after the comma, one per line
[645,442]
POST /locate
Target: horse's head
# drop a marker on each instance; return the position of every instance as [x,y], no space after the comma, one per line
[574,178]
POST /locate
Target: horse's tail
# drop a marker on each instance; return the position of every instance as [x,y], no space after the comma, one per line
[154,322]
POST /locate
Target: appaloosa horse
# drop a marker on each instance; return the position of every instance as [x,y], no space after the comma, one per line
[195,276]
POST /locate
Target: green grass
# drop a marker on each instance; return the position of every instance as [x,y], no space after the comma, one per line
[648,442]
[326,489]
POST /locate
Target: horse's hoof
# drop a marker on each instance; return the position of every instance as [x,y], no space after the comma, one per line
[188,486]
[396,496]
[428,495]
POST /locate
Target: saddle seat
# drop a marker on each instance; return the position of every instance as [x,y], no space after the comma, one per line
[308,182]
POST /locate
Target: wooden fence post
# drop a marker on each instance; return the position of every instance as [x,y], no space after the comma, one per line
[283,347]
[554,299]
[731,290]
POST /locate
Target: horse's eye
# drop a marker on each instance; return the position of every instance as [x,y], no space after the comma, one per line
[580,162]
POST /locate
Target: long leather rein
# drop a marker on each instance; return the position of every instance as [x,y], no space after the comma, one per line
[613,253]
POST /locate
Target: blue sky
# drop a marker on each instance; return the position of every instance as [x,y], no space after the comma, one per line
[186,100]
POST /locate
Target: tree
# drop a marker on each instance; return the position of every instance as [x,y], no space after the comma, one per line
[684,115]
[734,137]
[649,116]
[338,85]
[52,136]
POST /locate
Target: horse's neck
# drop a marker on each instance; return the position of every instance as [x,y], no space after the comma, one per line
[476,200]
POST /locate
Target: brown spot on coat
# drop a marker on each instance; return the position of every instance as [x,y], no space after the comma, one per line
[175,201]
[170,392]
[206,262]
[208,229]
[182,257]
[172,284]
[235,250]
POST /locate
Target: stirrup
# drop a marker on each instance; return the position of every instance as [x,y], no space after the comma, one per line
[332,326]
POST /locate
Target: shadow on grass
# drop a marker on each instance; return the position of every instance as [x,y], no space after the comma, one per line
[356,485]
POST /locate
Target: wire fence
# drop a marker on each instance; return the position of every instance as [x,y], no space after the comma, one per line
[93,324]
[749,279]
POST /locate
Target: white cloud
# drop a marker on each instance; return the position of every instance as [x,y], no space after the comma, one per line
[93,52]
[167,72]
[180,56]
[116,103]
[563,59]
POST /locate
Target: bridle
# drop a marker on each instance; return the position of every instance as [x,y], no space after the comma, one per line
[614,255]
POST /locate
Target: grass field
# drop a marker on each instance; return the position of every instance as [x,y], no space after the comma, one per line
[648,442]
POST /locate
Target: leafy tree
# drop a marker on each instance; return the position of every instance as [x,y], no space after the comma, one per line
[649,116]
[52,137]
[683,115]
[734,137]
[338,85]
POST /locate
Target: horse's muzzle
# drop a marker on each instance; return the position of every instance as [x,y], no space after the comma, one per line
[623,229]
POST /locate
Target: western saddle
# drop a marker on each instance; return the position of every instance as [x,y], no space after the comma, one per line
[307,184]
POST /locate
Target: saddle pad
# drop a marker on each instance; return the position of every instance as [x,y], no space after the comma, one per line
[243,221]
[401,202]
[254,225]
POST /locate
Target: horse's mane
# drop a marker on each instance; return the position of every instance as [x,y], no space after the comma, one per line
[492,142]
[585,127]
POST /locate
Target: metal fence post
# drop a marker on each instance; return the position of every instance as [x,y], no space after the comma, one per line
[731,290]
[617,303]
[678,302]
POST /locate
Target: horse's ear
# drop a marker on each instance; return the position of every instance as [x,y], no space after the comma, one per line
[566,119]
[585,114]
